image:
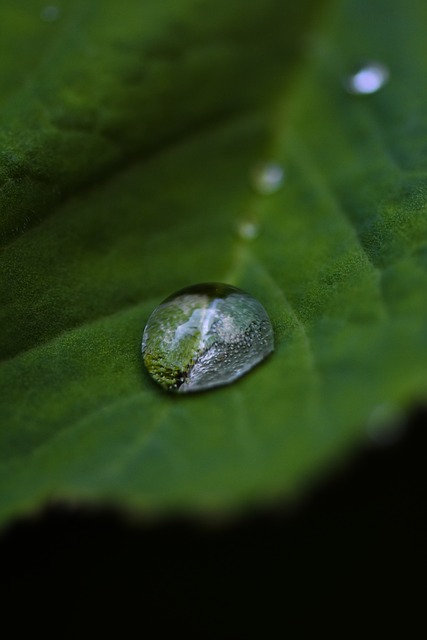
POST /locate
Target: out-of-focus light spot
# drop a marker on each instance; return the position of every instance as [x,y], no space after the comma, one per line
[248,229]
[386,424]
[368,79]
[267,178]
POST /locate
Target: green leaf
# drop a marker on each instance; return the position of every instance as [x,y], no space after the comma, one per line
[127,144]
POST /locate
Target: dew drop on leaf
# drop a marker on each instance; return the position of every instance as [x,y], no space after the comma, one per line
[386,424]
[248,230]
[368,79]
[50,13]
[205,336]
[268,178]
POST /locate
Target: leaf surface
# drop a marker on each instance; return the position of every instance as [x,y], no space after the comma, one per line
[128,142]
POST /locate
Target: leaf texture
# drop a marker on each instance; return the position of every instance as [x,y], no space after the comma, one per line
[127,152]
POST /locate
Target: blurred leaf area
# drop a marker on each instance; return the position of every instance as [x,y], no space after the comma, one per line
[349,558]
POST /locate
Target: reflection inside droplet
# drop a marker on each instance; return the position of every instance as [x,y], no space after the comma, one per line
[267,178]
[50,13]
[368,79]
[205,336]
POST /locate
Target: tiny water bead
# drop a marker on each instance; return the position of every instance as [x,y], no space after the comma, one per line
[267,178]
[50,13]
[248,229]
[205,336]
[368,79]
[386,424]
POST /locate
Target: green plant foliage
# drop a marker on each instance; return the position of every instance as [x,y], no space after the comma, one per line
[128,136]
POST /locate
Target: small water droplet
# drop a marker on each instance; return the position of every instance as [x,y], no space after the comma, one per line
[248,229]
[385,424]
[371,77]
[205,336]
[50,13]
[268,178]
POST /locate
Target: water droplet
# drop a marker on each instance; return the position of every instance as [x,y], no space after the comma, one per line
[368,79]
[386,424]
[248,229]
[268,178]
[50,13]
[205,336]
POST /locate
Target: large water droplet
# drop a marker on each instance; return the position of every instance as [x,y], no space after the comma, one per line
[268,178]
[368,79]
[205,336]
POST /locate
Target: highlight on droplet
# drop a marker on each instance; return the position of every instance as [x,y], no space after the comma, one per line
[248,229]
[369,78]
[267,178]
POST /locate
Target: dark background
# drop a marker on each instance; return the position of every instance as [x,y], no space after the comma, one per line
[352,555]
